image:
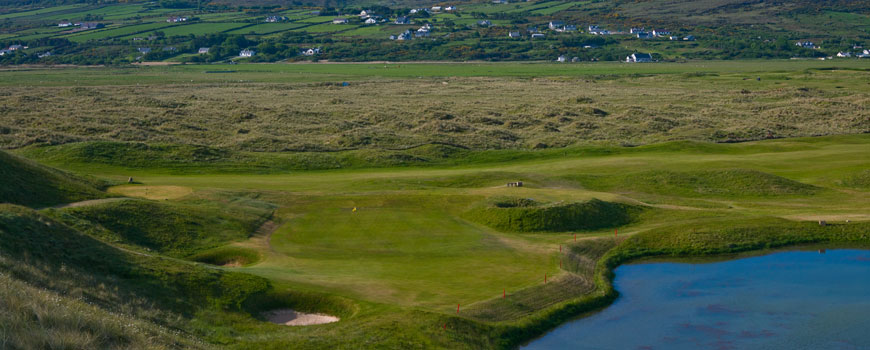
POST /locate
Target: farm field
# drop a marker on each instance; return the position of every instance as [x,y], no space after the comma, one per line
[427,205]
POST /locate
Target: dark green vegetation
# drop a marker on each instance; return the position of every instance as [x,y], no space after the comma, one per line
[139,31]
[28,183]
[517,215]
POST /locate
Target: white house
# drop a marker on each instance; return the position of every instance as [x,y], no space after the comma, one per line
[339,21]
[659,32]
[636,30]
[311,51]
[65,24]
[689,38]
[638,58]
[514,35]
[371,21]
[16,47]
[644,35]
[556,24]
[44,54]
[806,44]
[484,23]
[144,50]
[4,52]
[175,19]
[562,58]
[247,53]
[365,13]
[203,50]
[402,20]
[450,8]
[436,8]
[537,36]
[842,54]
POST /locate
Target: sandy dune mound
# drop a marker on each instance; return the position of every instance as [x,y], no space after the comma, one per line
[290,317]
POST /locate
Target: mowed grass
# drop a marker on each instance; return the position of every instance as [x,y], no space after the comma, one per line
[399,249]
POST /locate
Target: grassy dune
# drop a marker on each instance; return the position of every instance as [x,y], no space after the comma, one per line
[28,183]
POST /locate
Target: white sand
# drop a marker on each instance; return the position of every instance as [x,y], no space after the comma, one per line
[290,317]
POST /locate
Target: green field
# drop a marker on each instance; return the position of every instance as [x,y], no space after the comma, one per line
[188,201]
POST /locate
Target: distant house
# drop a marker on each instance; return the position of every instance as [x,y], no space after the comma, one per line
[421,34]
[365,13]
[562,58]
[413,11]
[175,19]
[636,30]
[865,54]
[659,32]
[274,19]
[537,36]
[44,54]
[65,24]
[689,38]
[556,24]
[639,58]
[532,29]
[92,25]
[514,35]
[16,47]
[842,54]
[203,50]
[484,23]
[339,21]
[450,8]
[3,52]
[406,35]
[402,20]
[569,28]
[435,8]
[311,52]
[247,53]
[144,50]
[806,44]
[499,1]
[575,59]
[371,21]
[645,35]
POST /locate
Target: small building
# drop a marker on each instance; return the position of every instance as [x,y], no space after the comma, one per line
[514,35]
[169,49]
[639,58]
[91,25]
[144,50]
[175,19]
[339,21]
[366,13]
[575,59]
[275,19]
[532,29]
[3,52]
[842,54]
[402,20]
[689,38]
[247,53]
[659,32]
[569,28]
[435,8]
[65,24]
[423,34]
[562,59]
[203,50]
[645,35]
[450,8]
[413,11]
[406,35]
[311,52]
[371,21]
[538,36]
[553,25]
[16,47]
[484,23]
[636,30]
[44,54]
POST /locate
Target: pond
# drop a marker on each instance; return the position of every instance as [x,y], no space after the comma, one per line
[787,300]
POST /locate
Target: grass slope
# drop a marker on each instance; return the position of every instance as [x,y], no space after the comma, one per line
[524,215]
[28,183]
[170,228]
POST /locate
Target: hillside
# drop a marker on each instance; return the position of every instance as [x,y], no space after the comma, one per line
[28,183]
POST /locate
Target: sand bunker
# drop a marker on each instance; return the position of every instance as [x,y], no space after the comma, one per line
[290,317]
[151,192]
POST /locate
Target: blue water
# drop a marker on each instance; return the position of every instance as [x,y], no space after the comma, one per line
[789,300]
